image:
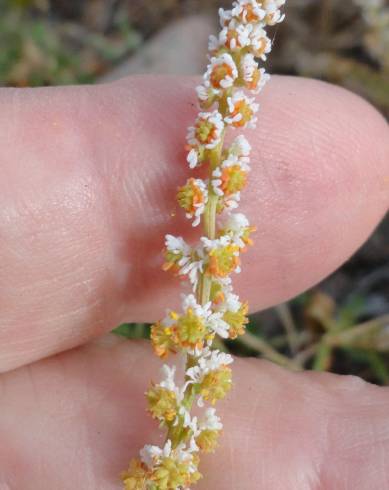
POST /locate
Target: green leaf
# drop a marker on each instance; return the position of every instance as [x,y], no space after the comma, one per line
[133,331]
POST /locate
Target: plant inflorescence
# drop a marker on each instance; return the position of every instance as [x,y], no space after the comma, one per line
[212,308]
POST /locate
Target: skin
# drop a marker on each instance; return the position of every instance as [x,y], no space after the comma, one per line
[86,196]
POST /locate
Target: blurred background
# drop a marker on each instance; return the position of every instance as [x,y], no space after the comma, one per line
[342,325]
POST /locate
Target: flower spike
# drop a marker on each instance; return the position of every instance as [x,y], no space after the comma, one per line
[202,375]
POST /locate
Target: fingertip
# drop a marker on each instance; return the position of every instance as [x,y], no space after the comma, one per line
[318,188]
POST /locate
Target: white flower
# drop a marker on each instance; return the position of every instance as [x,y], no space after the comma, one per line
[221,242]
[202,311]
[236,224]
[240,10]
[259,41]
[184,454]
[231,161]
[218,325]
[168,374]
[241,149]
[249,66]
[168,381]
[206,95]
[226,284]
[200,206]
[193,158]
[231,301]
[193,197]
[192,424]
[211,421]
[187,265]
[273,12]
[235,36]
[229,202]
[213,43]
[232,202]
[213,321]
[193,268]
[181,453]
[263,79]
[202,92]
[193,447]
[240,36]
[242,110]
[195,374]
[207,132]
[178,246]
[209,361]
[188,421]
[265,12]
[252,75]
[152,455]
[225,17]
[214,360]
[216,182]
[221,72]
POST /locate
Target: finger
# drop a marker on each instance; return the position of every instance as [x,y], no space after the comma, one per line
[87,194]
[281,430]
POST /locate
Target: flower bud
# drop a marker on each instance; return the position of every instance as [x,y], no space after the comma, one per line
[162,403]
[237,321]
[207,440]
[216,384]
[135,477]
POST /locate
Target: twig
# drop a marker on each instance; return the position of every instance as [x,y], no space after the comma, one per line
[253,342]
[285,315]
[302,357]
[368,335]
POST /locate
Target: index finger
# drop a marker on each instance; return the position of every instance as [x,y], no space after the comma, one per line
[87,194]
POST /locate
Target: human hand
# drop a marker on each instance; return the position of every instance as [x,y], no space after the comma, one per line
[88,175]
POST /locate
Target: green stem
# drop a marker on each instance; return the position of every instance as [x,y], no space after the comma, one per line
[322,361]
[267,351]
[177,434]
[286,317]
[367,335]
[205,282]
